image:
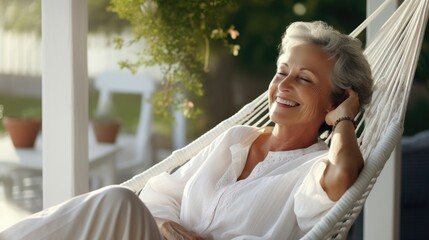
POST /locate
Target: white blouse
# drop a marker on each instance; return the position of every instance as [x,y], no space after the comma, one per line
[281,199]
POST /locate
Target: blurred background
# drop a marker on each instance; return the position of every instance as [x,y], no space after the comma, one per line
[232,81]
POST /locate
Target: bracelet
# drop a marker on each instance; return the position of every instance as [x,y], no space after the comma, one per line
[345,118]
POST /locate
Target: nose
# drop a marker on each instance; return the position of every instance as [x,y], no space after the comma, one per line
[286,84]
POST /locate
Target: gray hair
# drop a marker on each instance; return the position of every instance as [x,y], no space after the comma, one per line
[351,69]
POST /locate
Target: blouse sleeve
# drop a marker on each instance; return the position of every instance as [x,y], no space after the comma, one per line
[310,200]
[163,193]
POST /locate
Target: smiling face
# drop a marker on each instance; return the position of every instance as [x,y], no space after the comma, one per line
[300,92]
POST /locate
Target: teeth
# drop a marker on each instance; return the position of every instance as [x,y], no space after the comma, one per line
[286,102]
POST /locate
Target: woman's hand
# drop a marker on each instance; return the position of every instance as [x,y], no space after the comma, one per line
[348,108]
[173,231]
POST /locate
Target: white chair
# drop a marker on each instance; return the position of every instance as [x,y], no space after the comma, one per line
[135,150]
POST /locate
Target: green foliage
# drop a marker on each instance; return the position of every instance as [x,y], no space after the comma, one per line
[178,36]
[417,117]
[35,112]
[20,15]
[262,23]
[23,107]
[422,71]
[101,20]
[25,15]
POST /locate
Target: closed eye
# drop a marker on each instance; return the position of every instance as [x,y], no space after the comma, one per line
[304,79]
[282,74]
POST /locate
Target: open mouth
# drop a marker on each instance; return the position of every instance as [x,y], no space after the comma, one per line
[286,102]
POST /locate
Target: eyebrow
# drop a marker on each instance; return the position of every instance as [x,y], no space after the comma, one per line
[307,69]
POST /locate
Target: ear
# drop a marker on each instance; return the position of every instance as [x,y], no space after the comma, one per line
[331,107]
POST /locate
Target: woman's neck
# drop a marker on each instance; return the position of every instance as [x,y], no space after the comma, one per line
[283,139]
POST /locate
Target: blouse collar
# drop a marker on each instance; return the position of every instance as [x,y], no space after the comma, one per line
[279,155]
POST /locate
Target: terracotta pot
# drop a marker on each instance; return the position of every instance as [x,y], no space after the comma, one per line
[23,132]
[106,131]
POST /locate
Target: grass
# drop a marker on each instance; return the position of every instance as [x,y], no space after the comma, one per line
[125,106]
[16,106]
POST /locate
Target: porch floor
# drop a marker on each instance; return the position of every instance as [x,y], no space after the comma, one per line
[14,210]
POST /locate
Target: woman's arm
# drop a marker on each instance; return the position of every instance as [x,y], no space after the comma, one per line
[345,159]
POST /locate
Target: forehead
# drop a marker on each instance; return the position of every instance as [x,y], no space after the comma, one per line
[307,56]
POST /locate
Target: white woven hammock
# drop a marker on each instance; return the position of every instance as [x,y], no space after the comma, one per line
[393,56]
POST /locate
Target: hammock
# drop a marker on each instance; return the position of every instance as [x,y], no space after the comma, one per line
[393,56]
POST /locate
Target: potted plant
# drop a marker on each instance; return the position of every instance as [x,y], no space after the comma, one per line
[23,129]
[105,125]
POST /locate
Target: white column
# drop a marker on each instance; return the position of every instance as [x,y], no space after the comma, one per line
[382,208]
[371,6]
[179,130]
[64,99]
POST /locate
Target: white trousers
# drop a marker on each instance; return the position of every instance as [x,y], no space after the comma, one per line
[111,212]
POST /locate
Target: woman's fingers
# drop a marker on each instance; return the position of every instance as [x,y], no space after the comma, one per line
[174,231]
[349,107]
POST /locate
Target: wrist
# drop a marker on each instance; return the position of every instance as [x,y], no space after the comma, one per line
[343,119]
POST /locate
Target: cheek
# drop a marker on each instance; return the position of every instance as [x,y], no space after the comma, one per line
[318,102]
[313,110]
[271,92]
[326,100]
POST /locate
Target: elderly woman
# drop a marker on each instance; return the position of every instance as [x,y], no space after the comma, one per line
[249,183]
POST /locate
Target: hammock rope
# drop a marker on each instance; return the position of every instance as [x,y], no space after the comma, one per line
[393,56]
